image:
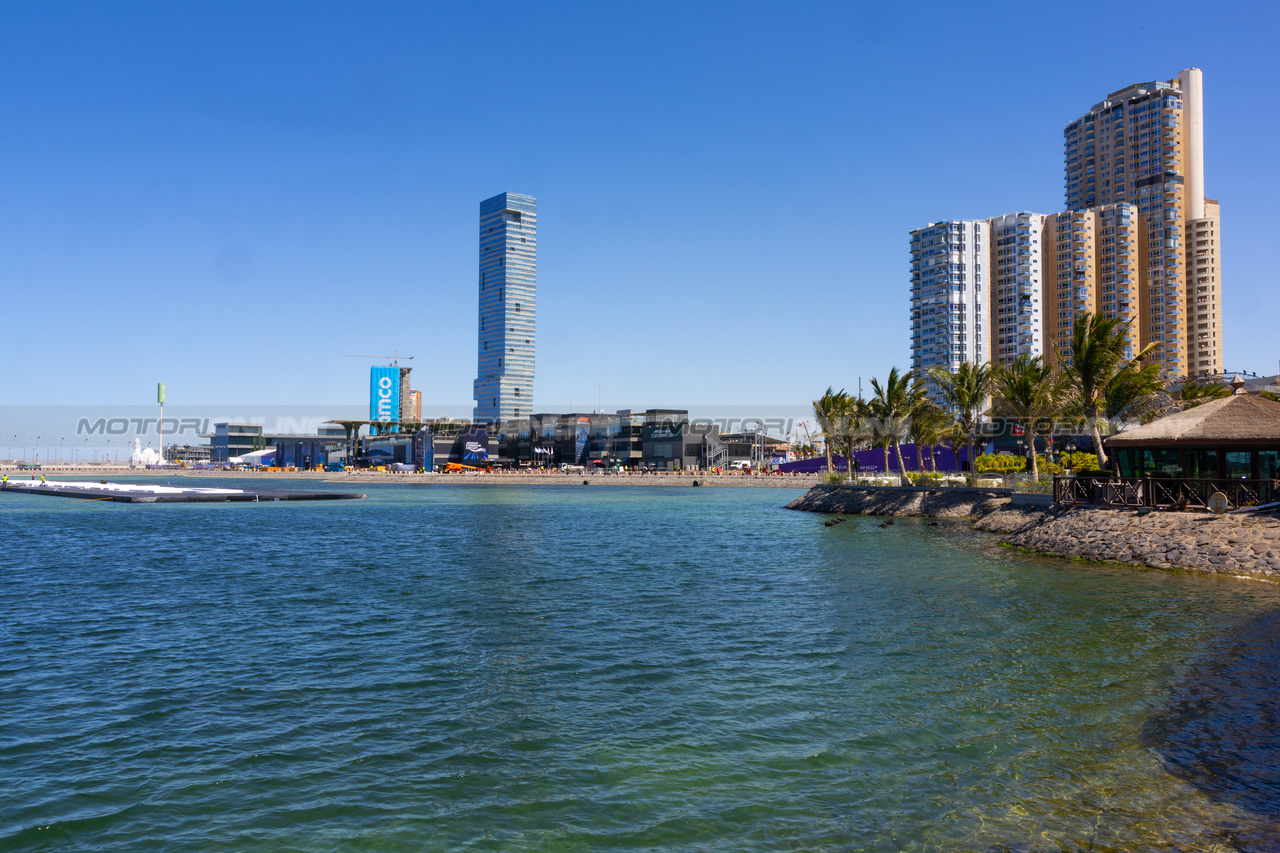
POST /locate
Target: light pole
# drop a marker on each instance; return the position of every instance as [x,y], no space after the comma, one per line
[11,441]
[37,450]
[61,446]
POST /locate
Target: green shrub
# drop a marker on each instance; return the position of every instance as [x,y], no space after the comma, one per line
[835,479]
[999,463]
[1080,462]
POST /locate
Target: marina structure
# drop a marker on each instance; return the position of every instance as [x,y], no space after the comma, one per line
[503,387]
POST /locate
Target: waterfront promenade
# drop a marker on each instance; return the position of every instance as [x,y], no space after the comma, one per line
[531,478]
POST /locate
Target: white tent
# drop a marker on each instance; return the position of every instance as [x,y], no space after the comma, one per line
[257,457]
[142,457]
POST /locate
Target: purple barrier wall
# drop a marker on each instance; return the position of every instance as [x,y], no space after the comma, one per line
[873,461]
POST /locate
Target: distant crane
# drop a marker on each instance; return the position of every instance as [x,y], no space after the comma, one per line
[394,359]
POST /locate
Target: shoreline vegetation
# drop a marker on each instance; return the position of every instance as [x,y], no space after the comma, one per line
[1096,383]
[1245,545]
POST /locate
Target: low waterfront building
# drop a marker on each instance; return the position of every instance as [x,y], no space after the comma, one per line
[1230,444]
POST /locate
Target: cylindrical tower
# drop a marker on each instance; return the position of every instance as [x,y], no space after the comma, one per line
[1192,86]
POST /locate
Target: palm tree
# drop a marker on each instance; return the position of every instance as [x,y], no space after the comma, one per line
[1133,392]
[928,425]
[827,409]
[851,427]
[965,392]
[1194,392]
[1096,356]
[1031,391]
[892,406]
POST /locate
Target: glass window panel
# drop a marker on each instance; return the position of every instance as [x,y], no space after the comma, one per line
[1203,462]
[1166,463]
[1269,464]
[1239,464]
[1125,459]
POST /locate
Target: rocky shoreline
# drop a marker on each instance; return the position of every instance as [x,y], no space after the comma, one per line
[902,501]
[1239,545]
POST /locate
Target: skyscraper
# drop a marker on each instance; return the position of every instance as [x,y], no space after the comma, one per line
[947,304]
[1138,242]
[1144,146]
[508,288]
[1017,296]
[1095,265]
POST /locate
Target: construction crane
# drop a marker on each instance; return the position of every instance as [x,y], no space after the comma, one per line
[394,359]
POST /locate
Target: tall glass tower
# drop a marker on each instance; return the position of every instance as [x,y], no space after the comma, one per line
[508,289]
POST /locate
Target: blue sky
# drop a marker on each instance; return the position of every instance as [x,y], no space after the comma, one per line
[230,197]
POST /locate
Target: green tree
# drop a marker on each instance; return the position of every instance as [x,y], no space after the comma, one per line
[827,409]
[965,392]
[1194,392]
[928,425]
[1031,392]
[1096,359]
[851,427]
[891,407]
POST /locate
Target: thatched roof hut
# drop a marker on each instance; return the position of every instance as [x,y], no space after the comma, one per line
[1238,419]
[1236,437]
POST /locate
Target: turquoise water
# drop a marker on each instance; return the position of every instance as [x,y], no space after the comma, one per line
[604,668]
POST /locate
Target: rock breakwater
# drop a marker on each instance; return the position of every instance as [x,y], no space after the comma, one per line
[910,502]
[1245,545]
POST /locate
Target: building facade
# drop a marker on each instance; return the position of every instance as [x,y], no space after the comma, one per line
[1094,266]
[1144,146]
[503,387]
[1138,242]
[1017,297]
[948,318]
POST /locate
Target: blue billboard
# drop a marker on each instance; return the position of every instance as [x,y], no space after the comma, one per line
[384,394]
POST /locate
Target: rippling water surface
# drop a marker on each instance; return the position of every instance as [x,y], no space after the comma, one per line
[559,668]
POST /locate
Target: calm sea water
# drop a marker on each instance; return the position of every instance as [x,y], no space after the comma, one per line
[590,668]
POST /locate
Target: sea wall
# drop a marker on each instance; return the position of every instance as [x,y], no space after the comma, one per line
[1242,545]
[904,501]
[1245,545]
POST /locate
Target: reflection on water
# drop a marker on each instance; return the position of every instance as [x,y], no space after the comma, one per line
[489,668]
[1221,731]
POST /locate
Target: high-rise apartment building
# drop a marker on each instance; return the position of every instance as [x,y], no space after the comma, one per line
[948,260]
[1017,297]
[1144,146]
[1138,242]
[977,292]
[1094,265]
[508,288]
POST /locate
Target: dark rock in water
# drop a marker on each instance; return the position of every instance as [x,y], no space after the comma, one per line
[1220,731]
[828,524]
[889,501]
[935,524]
[840,518]
[885,523]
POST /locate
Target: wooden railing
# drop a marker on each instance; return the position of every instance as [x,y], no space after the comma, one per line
[1161,492]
